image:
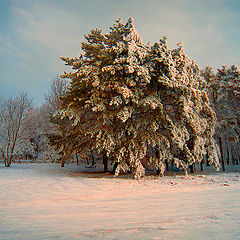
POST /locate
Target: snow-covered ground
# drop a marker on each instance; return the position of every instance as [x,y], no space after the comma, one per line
[41,201]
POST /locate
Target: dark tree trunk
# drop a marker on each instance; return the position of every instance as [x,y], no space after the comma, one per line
[159,173]
[202,166]
[193,168]
[172,165]
[233,157]
[7,161]
[208,164]
[167,165]
[105,162]
[7,164]
[7,158]
[228,156]
[77,159]
[62,163]
[92,157]
[222,155]
[115,167]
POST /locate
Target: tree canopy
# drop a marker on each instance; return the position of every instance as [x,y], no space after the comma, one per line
[135,101]
[224,90]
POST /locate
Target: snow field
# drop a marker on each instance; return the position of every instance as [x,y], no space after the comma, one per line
[41,201]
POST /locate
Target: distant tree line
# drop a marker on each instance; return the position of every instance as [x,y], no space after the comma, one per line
[223,88]
[136,105]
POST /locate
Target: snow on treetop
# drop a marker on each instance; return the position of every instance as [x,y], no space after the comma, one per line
[132,32]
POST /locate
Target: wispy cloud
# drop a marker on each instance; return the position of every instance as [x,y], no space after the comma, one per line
[41,31]
[39,35]
[49,32]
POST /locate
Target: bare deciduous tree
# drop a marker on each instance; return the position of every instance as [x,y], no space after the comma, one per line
[56,129]
[52,99]
[14,124]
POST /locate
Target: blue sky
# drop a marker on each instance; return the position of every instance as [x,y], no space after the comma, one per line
[34,34]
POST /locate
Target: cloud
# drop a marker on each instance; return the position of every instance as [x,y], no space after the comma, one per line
[39,35]
[49,32]
[41,31]
[200,27]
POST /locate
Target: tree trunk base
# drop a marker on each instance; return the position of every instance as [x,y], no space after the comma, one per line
[115,167]
[105,163]
[185,171]
[202,166]
[7,163]
[193,168]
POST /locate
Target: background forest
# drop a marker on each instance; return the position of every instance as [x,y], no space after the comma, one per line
[137,106]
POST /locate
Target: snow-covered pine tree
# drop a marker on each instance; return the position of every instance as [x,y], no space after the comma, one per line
[187,120]
[128,97]
[229,77]
[223,89]
[84,79]
[108,86]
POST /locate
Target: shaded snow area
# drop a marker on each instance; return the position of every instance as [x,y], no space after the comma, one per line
[41,201]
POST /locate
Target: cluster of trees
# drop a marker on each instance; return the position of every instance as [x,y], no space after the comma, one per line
[223,88]
[15,127]
[137,105]
[25,129]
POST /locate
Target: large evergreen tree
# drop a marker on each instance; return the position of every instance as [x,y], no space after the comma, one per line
[187,120]
[129,97]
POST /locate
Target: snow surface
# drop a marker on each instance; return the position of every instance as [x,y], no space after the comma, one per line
[42,201]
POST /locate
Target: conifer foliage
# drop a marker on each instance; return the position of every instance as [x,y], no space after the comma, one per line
[224,91]
[129,97]
[187,120]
